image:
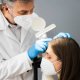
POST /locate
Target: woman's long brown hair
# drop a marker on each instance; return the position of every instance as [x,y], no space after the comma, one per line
[68,51]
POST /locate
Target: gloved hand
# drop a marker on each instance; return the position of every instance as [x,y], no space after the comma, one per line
[62,35]
[39,47]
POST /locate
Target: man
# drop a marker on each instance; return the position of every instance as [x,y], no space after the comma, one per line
[16,56]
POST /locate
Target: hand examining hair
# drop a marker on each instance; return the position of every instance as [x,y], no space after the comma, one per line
[62,35]
[39,47]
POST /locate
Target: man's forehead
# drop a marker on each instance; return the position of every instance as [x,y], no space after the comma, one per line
[22,3]
[23,6]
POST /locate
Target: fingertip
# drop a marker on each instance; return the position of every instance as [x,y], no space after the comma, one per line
[68,35]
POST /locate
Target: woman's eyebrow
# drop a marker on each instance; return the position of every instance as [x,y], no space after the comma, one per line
[46,52]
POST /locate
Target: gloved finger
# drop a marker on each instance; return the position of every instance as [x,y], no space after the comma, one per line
[62,35]
[68,35]
[42,49]
[58,35]
[41,45]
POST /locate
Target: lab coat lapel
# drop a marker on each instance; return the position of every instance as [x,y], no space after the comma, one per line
[9,33]
[27,35]
[23,34]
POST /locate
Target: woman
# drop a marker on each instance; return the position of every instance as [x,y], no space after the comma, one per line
[62,57]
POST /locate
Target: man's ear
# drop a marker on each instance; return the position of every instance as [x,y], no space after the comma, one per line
[4,7]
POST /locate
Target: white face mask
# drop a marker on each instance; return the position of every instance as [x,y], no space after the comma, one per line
[47,67]
[32,20]
[24,20]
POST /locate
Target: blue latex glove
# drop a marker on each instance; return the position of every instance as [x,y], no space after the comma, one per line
[62,35]
[39,47]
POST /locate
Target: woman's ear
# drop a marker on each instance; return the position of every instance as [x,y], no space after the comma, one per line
[58,65]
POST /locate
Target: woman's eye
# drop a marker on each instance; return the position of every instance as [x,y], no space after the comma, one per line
[47,55]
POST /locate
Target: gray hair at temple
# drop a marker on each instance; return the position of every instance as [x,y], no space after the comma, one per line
[10,2]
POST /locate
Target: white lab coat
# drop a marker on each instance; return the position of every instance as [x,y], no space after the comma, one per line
[14,61]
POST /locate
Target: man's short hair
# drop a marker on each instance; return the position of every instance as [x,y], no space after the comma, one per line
[15,0]
[10,2]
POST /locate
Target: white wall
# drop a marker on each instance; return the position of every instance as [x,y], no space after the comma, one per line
[64,13]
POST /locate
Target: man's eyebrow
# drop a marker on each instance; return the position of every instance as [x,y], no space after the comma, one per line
[23,11]
[27,10]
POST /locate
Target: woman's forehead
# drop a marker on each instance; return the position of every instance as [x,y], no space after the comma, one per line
[50,52]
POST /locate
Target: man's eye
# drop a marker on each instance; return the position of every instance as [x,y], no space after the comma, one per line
[23,13]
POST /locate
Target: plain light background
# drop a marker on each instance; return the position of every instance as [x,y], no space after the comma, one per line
[64,13]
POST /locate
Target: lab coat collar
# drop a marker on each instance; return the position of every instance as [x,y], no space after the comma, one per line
[3,22]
